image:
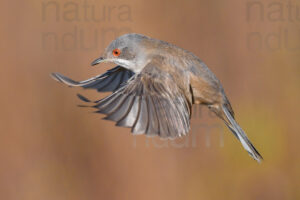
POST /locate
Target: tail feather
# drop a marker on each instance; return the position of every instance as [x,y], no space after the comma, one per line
[241,136]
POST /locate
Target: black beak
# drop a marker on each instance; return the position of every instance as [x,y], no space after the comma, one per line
[97,61]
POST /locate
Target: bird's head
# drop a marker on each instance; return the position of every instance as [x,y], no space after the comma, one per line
[127,51]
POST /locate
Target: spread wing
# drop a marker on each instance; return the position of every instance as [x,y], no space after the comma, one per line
[150,103]
[111,80]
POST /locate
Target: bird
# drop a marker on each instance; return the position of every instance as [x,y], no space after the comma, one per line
[153,88]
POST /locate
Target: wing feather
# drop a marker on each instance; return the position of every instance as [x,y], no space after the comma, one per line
[142,121]
[110,81]
[129,119]
[122,110]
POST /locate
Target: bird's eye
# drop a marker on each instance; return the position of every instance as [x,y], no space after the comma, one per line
[116,52]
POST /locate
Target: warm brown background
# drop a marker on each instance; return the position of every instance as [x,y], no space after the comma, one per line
[52,150]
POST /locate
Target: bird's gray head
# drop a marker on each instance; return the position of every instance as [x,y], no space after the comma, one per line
[127,50]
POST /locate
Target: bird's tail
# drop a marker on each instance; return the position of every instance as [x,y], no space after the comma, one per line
[240,135]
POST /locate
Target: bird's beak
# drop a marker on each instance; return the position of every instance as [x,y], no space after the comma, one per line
[97,61]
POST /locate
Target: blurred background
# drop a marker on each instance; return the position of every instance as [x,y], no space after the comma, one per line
[50,149]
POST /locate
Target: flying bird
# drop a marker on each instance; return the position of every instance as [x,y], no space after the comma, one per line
[154,86]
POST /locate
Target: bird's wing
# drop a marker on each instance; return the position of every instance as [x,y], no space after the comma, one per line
[150,103]
[111,80]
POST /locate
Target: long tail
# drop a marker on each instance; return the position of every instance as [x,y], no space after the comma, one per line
[241,136]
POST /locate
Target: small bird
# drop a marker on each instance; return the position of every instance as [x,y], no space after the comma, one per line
[154,86]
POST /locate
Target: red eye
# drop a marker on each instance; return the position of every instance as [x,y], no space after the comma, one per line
[116,52]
